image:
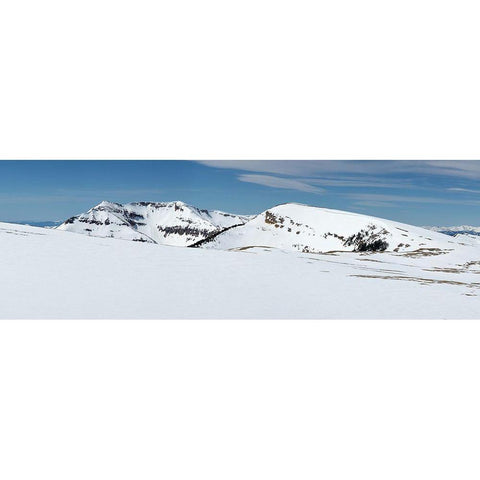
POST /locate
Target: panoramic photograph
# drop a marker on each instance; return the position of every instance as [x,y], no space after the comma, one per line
[239,239]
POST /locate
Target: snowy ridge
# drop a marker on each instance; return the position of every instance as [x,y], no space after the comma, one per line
[170,223]
[309,229]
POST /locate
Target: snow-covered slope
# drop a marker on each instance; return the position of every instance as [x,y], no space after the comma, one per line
[467,238]
[47,273]
[312,229]
[172,223]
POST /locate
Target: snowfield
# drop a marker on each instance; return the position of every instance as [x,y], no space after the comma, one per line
[49,273]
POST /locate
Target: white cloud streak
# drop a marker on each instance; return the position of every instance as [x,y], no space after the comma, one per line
[373,197]
[467,190]
[312,176]
[317,168]
[278,182]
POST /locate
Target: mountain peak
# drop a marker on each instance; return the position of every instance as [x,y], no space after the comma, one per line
[107,204]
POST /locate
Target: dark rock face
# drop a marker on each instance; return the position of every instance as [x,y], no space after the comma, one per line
[179,230]
[375,246]
[334,235]
[367,240]
[272,219]
[135,216]
[281,222]
[90,222]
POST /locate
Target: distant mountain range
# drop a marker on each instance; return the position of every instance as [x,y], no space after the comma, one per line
[460,230]
[288,227]
[48,224]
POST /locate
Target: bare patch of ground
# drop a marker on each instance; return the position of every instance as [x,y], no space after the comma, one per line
[19,232]
[424,252]
[444,270]
[423,281]
[241,249]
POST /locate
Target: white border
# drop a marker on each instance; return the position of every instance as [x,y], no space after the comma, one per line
[260,79]
[239,399]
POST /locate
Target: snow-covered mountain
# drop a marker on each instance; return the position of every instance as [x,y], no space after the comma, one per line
[289,226]
[459,230]
[311,229]
[171,223]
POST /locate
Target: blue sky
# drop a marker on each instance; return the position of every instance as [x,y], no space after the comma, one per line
[416,192]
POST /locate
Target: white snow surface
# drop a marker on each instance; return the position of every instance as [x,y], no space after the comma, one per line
[49,273]
[169,223]
[467,238]
[311,229]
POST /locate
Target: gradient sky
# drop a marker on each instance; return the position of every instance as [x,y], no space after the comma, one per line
[415,192]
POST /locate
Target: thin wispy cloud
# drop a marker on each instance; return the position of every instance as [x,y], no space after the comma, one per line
[316,185]
[411,182]
[452,168]
[279,182]
[373,197]
[358,183]
[317,168]
[467,190]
